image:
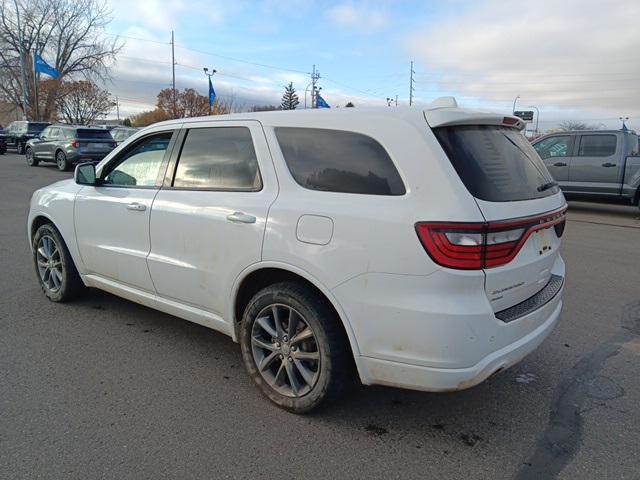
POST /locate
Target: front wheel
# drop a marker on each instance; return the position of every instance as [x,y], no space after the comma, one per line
[294,348]
[61,161]
[32,161]
[56,271]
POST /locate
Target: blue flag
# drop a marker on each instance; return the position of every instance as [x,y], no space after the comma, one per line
[212,94]
[320,102]
[43,67]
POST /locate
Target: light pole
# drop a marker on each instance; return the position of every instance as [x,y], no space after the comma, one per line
[206,72]
[513,110]
[623,120]
[25,102]
[537,116]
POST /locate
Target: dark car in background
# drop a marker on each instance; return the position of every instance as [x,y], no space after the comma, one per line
[3,142]
[120,134]
[18,133]
[68,144]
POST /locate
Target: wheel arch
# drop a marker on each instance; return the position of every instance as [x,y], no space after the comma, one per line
[259,276]
[37,221]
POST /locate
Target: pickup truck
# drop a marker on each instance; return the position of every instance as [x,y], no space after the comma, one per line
[597,164]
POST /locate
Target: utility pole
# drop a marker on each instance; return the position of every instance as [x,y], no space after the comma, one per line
[173,71]
[36,78]
[25,102]
[315,76]
[411,89]
[117,110]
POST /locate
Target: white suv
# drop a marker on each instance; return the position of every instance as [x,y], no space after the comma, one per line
[418,248]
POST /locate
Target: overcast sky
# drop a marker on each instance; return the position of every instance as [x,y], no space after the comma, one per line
[574,60]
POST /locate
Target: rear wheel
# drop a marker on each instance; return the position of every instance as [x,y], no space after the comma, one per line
[57,274]
[294,348]
[32,161]
[61,161]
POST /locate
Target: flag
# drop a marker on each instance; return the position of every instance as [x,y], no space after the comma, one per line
[212,94]
[43,67]
[320,102]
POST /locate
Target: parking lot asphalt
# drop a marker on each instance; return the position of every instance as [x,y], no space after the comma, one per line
[106,388]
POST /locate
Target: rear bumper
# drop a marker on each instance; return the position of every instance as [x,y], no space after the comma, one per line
[414,377]
[77,156]
[439,332]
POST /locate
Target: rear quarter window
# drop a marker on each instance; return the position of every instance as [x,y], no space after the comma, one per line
[338,161]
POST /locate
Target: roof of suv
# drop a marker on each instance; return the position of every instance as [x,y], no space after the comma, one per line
[436,116]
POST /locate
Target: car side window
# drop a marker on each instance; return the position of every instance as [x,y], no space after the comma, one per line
[554,147]
[597,145]
[53,134]
[338,161]
[46,133]
[139,165]
[220,158]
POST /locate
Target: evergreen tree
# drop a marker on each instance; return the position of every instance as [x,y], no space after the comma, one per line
[290,98]
[349,105]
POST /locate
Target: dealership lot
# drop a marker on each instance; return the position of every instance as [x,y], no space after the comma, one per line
[105,387]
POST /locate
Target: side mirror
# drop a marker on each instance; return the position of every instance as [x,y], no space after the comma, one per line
[85,174]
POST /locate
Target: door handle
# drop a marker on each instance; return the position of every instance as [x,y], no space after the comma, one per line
[239,217]
[138,207]
[559,164]
[608,164]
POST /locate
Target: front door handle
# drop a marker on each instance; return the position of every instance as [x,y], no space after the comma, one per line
[138,207]
[559,164]
[239,217]
[608,164]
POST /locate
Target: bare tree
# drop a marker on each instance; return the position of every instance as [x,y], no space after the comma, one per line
[69,34]
[82,102]
[569,125]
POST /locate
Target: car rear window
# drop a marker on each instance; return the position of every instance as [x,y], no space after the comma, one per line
[338,161]
[496,164]
[37,127]
[92,134]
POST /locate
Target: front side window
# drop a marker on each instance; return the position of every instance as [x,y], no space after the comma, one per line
[554,147]
[140,165]
[218,158]
[338,161]
[597,146]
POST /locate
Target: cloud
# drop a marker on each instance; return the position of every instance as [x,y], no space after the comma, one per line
[358,17]
[570,54]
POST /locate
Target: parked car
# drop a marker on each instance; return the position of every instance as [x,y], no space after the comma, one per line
[67,144]
[20,132]
[597,164]
[3,141]
[415,248]
[120,134]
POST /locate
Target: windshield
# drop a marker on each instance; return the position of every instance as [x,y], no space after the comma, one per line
[496,164]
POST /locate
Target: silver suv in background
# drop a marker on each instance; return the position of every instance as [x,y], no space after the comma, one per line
[600,164]
[67,144]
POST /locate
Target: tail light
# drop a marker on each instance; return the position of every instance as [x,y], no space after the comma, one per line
[75,144]
[473,246]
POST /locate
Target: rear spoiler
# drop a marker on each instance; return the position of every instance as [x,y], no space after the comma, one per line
[444,112]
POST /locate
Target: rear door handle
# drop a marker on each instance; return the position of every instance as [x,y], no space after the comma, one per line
[239,217]
[608,164]
[138,207]
[559,164]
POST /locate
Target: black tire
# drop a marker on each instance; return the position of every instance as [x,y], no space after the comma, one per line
[70,283]
[62,162]
[32,161]
[334,370]
[19,148]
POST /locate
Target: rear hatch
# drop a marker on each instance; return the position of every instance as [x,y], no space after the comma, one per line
[93,141]
[522,206]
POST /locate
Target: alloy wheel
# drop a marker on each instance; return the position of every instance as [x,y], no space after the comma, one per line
[49,263]
[285,350]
